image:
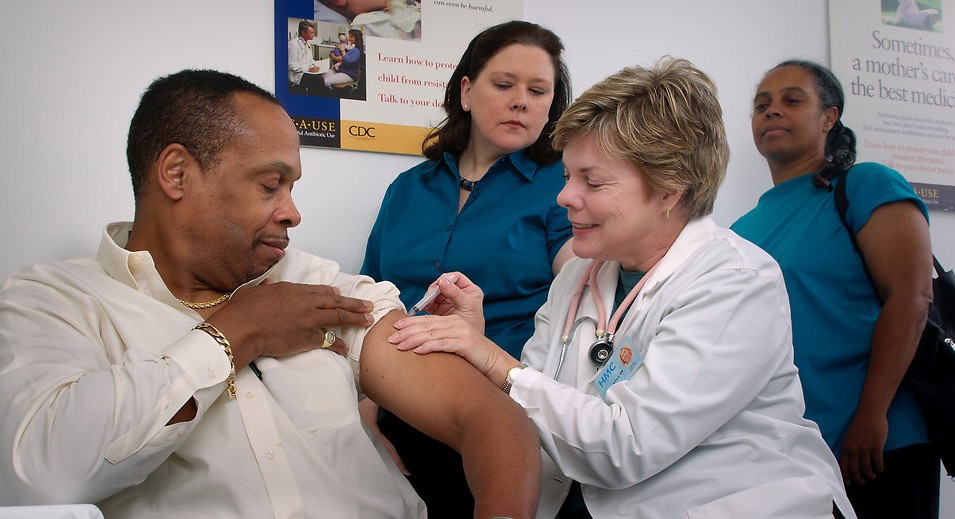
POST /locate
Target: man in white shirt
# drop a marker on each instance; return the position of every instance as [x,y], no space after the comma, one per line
[300,61]
[190,368]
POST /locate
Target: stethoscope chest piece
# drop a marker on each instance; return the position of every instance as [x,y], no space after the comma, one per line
[601,349]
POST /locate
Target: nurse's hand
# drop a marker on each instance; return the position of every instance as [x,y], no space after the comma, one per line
[451,334]
[459,296]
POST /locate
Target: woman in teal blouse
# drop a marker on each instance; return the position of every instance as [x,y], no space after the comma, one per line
[483,203]
[853,336]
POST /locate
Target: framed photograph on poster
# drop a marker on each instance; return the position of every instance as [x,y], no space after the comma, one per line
[372,78]
[896,61]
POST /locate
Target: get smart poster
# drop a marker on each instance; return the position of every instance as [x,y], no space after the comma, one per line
[372,74]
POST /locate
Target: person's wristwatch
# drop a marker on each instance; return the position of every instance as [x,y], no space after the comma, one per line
[511,375]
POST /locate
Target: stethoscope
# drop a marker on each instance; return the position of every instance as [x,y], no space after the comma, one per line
[602,347]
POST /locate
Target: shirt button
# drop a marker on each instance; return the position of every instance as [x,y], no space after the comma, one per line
[211,372]
[270,455]
[180,434]
[590,492]
[450,227]
[250,395]
[437,265]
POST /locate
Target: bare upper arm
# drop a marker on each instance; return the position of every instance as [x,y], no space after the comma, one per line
[436,393]
[897,248]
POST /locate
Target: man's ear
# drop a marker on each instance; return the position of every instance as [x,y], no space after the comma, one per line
[171,169]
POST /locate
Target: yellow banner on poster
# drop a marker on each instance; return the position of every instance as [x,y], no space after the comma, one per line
[386,138]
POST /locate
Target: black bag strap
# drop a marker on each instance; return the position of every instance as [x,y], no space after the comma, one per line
[842,205]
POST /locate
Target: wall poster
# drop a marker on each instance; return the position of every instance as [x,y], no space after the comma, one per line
[896,61]
[370,75]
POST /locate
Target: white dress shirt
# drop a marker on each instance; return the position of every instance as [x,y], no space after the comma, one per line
[96,355]
[299,59]
[711,425]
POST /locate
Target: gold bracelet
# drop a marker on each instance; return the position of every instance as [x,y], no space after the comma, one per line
[226,347]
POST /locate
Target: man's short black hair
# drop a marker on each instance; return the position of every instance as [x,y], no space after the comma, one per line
[193,108]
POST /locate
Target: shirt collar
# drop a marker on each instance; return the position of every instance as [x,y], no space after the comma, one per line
[115,259]
[524,164]
[521,161]
[691,238]
[137,269]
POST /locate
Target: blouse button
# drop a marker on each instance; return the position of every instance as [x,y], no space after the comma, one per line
[270,455]
[211,372]
[437,265]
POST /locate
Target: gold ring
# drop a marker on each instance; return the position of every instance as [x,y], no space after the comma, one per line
[330,339]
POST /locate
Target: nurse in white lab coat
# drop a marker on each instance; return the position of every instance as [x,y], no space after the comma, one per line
[697,408]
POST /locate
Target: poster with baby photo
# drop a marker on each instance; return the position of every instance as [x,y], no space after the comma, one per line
[370,75]
[896,62]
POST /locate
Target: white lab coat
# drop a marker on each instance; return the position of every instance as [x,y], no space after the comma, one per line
[711,425]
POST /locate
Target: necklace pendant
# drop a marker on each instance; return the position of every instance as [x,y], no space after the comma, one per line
[468,185]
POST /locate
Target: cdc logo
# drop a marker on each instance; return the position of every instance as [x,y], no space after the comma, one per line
[362,131]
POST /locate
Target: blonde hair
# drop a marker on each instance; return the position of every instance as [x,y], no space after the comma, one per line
[666,120]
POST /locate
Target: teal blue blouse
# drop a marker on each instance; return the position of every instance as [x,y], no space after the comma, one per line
[834,305]
[504,239]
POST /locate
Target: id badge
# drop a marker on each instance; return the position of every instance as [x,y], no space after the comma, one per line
[623,363]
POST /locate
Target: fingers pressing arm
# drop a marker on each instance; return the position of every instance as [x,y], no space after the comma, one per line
[302,313]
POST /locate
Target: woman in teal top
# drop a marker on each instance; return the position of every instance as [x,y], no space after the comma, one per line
[853,337]
[509,233]
[483,203]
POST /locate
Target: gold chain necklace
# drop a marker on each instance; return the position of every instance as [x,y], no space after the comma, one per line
[208,304]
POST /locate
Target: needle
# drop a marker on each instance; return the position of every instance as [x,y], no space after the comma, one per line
[428,297]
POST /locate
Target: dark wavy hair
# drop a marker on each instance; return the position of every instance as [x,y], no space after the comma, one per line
[359,39]
[193,108]
[304,25]
[453,133]
[840,150]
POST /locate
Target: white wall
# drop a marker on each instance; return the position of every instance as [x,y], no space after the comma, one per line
[72,73]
